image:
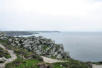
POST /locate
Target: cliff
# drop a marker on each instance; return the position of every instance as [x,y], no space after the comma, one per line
[39,45]
[30,52]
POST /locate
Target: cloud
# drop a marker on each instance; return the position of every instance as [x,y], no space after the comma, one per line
[75,15]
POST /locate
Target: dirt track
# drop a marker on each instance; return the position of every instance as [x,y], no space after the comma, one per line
[12,54]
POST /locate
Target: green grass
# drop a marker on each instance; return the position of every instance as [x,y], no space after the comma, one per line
[45,47]
[3,41]
[77,64]
[20,63]
[70,64]
[4,53]
[98,63]
[57,65]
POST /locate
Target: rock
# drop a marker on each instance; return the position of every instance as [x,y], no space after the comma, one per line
[42,65]
[2,60]
[39,45]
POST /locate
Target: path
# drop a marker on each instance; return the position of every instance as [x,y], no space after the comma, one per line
[96,66]
[12,54]
[49,60]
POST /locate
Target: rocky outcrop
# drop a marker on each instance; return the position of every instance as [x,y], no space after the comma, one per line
[42,65]
[40,45]
[2,59]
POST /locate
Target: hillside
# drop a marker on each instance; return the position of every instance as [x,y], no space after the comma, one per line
[29,51]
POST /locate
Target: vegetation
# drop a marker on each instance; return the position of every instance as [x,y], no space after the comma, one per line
[25,58]
[45,47]
[19,63]
[98,63]
[28,59]
[4,53]
[71,64]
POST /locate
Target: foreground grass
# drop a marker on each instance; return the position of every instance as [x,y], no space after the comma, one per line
[19,63]
[71,64]
[4,53]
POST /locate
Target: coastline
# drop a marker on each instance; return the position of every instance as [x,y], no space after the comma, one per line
[56,50]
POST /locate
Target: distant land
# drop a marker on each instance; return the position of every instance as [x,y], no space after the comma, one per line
[18,33]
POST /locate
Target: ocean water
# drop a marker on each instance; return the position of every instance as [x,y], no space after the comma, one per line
[83,46]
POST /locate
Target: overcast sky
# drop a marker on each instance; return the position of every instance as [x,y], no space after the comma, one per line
[61,15]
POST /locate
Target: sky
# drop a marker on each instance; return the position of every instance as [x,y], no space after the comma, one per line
[50,15]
